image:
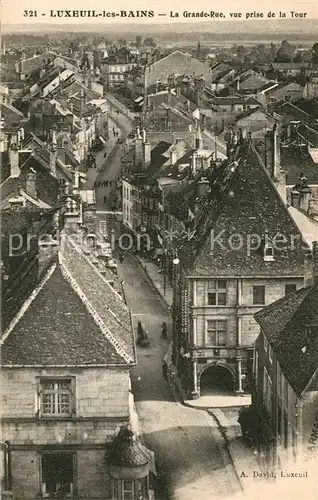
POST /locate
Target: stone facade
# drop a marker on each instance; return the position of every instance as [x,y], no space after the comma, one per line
[242,329]
[179,64]
[101,404]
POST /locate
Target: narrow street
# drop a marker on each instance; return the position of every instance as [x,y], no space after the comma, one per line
[191,458]
[109,170]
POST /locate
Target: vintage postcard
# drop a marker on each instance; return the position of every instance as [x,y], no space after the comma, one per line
[159,250]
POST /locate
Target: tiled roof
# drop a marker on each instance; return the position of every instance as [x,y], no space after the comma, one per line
[243,202]
[11,115]
[127,450]
[73,317]
[106,302]
[288,110]
[309,106]
[284,323]
[58,329]
[294,161]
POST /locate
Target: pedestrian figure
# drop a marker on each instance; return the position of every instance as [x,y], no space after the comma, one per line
[121,256]
[164,330]
[105,154]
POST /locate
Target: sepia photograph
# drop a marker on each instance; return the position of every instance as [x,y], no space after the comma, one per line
[159,250]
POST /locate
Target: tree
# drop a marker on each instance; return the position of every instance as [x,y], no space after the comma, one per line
[273,51]
[149,42]
[240,51]
[138,41]
[314,53]
[285,52]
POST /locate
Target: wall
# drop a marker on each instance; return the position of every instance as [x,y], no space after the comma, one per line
[102,406]
[310,424]
[275,289]
[179,64]
[91,480]
[100,392]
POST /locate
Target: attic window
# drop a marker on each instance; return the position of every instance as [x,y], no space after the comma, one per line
[268,253]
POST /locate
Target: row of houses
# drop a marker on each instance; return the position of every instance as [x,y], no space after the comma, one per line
[69,426]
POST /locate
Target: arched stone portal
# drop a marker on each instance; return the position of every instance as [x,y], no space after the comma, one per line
[217,378]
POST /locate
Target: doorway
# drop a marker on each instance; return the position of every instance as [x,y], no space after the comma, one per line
[217,379]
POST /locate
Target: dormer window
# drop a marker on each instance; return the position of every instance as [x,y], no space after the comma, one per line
[268,252]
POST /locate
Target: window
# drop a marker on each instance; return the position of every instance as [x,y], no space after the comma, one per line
[267,391]
[56,397]
[291,288]
[217,293]
[268,252]
[256,368]
[259,295]
[216,331]
[279,419]
[270,353]
[57,474]
[279,381]
[285,391]
[128,490]
[285,430]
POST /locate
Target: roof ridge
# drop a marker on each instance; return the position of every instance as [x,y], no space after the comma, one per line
[27,303]
[78,249]
[283,205]
[106,332]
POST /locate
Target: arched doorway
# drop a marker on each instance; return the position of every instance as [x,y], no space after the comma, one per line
[217,379]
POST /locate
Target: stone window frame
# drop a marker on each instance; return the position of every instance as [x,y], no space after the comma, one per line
[56,392]
[216,320]
[51,451]
[213,287]
[259,303]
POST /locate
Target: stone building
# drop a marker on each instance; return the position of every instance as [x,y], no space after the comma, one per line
[244,251]
[65,364]
[285,371]
[176,64]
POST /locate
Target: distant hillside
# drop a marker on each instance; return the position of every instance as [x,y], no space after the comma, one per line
[266,27]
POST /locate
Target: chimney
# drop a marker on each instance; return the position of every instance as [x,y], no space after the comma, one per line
[173,156]
[198,139]
[194,164]
[138,157]
[203,187]
[47,253]
[31,183]
[304,199]
[272,152]
[14,161]
[308,268]
[315,262]
[143,136]
[272,161]
[178,91]
[71,216]
[76,184]
[146,155]
[53,157]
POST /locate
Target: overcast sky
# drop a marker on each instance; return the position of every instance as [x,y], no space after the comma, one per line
[12,10]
